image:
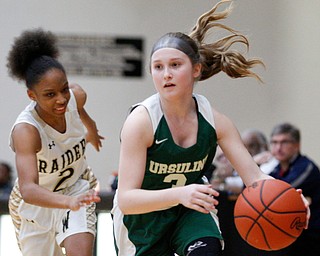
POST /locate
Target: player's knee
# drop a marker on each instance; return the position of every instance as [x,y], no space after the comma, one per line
[206,246]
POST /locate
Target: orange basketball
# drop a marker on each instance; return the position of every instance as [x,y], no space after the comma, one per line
[270,214]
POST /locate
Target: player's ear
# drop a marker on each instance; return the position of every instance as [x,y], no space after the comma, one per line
[197,70]
[31,94]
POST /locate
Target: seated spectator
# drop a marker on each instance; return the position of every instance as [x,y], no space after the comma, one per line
[5,180]
[257,144]
[302,173]
[255,141]
[113,181]
[224,177]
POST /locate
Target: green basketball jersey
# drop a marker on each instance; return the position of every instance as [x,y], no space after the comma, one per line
[168,165]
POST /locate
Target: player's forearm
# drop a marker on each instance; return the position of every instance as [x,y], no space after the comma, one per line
[140,201]
[37,195]
[88,122]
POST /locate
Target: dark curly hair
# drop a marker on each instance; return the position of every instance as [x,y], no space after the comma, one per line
[33,53]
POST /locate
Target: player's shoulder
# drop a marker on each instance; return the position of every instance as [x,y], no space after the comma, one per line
[137,127]
[149,103]
[79,94]
[24,128]
[27,133]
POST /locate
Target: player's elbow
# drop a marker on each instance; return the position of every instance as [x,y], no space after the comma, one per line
[125,203]
[27,193]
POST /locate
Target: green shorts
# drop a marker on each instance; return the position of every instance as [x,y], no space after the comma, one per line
[161,233]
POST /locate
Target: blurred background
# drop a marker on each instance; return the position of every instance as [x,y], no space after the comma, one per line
[283,33]
[105,46]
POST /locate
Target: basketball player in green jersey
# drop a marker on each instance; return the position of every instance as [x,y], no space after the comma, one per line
[162,206]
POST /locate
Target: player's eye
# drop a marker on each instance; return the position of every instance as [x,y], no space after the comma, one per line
[50,94]
[158,66]
[175,64]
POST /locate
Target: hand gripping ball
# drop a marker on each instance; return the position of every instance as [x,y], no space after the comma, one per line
[270,214]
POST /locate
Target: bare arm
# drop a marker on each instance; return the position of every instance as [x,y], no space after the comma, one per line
[26,143]
[136,137]
[93,136]
[231,144]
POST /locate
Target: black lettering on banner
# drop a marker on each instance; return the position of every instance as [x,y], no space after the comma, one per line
[101,55]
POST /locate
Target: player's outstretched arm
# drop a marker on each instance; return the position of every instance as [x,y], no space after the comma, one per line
[84,199]
[92,136]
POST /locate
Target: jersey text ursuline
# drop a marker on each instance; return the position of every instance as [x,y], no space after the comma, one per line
[161,168]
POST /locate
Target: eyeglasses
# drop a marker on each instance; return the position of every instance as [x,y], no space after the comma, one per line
[281,142]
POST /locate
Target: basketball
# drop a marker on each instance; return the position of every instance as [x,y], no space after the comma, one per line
[270,214]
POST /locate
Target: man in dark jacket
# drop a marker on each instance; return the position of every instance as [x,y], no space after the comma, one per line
[301,172]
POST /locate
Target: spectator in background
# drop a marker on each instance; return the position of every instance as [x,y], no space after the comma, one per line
[224,177]
[255,141]
[302,173]
[113,181]
[257,144]
[5,180]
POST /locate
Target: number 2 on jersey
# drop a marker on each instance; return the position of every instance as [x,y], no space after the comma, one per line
[66,174]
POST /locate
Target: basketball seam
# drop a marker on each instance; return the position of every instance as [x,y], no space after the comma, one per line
[255,221]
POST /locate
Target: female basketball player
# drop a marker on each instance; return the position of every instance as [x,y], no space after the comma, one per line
[169,140]
[52,204]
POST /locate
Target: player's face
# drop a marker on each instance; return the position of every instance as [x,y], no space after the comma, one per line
[51,94]
[173,72]
[283,147]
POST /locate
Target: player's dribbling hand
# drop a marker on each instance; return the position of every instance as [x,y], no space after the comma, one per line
[199,197]
[306,203]
[87,198]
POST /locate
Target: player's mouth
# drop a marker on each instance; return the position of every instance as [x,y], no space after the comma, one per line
[169,85]
[61,109]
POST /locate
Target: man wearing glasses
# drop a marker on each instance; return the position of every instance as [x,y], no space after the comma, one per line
[302,173]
